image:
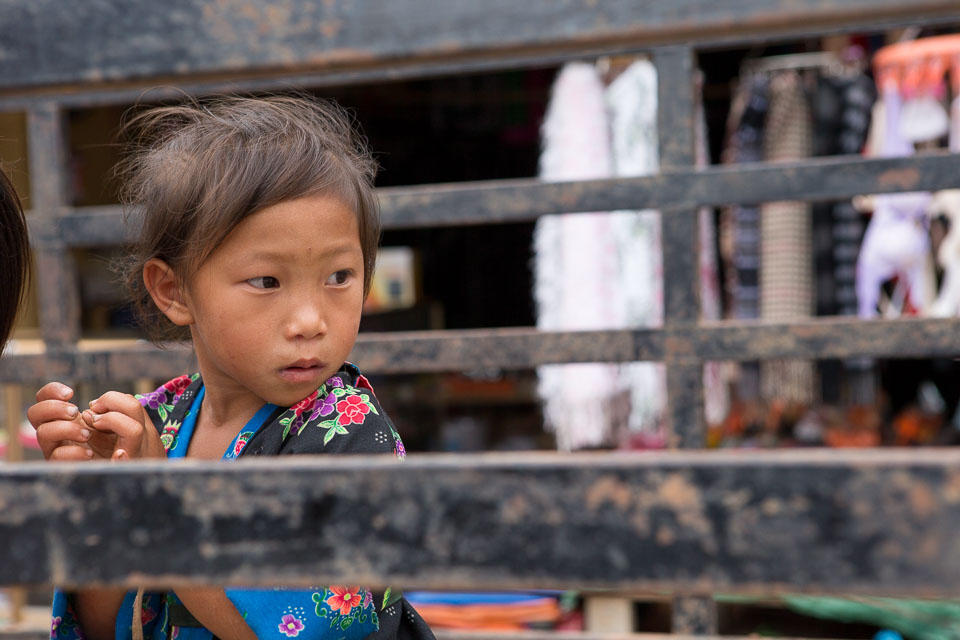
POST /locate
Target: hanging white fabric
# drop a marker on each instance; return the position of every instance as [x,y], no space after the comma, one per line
[575,261]
[632,103]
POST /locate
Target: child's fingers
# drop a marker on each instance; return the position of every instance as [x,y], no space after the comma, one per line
[50,410]
[51,434]
[121,403]
[54,391]
[128,430]
[70,453]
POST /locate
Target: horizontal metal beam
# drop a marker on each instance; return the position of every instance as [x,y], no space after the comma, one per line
[524,200]
[867,522]
[525,348]
[114,40]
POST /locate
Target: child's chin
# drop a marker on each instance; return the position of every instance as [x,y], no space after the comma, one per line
[292,394]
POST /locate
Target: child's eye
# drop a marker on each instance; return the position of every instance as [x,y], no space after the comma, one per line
[264,282]
[340,277]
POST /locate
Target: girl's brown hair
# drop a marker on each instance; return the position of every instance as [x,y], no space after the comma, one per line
[197,170]
[14,257]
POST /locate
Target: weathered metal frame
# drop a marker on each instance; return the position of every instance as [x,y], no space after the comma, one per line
[600,493]
[684,522]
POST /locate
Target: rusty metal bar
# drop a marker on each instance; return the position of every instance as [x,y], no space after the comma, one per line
[59,297]
[116,40]
[681,522]
[524,348]
[684,413]
[510,201]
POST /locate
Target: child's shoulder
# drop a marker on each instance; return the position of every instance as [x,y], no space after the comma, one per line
[173,396]
[342,416]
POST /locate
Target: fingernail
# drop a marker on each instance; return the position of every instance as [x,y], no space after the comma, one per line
[84,433]
[72,411]
[120,454]
[64,391]
[89,453]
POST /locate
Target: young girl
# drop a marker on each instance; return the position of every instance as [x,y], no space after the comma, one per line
[260,228]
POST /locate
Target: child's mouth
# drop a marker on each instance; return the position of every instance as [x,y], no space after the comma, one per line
[301,372]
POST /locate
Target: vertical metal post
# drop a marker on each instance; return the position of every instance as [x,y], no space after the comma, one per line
[676,113]
[681,268]
[56,272]
[694,615]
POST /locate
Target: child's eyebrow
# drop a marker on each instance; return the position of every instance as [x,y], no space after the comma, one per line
[275,256]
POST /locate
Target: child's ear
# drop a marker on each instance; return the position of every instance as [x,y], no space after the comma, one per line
[166,292]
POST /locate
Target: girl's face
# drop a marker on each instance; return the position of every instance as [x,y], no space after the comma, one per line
[276,308]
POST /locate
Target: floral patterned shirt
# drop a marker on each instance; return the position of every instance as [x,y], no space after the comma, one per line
[342,416]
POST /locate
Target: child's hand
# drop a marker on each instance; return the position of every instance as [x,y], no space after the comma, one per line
[115,427]
[121,419]
[61,433]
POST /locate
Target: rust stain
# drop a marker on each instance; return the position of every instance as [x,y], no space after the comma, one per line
[666,536]
[922,501]
[676,492]
[890,550]
[249,11]
[926,549]
[341,55]
[330,28]
[900,178]
[276,14]
[515,510]
[608,490]
[641,522]
[951,489]
[771,507]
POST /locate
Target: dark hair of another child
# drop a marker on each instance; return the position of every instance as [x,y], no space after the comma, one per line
[195,171]
[14,257]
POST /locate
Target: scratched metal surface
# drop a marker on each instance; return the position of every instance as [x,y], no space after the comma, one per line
[110,40]
[869,522]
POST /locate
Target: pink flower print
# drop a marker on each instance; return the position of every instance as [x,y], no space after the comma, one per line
[177,385]
[242,441]
[147,614]
[305,404]
[290,625]
[335,381]
[399,451]
[352,410]
[344,599]
[54,624]
[367,598]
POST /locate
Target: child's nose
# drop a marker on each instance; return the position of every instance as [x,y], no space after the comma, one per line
[307,320]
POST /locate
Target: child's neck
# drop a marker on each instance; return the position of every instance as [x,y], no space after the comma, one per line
[224,408]
[222,416]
